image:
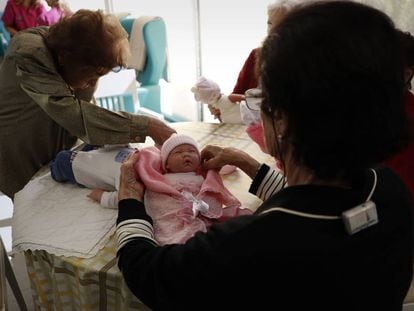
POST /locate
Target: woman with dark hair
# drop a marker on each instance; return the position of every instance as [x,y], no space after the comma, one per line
[47,80]
[339,236]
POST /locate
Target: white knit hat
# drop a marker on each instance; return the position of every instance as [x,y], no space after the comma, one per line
[174,141]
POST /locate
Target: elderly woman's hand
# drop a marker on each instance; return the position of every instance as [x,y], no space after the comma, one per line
[159,131]
[129,186]
[215,157]
[215,112]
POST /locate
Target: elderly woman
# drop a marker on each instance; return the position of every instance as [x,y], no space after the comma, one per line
[46,84]
[339,236]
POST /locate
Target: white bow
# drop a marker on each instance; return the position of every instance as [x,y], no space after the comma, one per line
[199,206]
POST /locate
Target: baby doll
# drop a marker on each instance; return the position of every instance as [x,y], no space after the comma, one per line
[180,197]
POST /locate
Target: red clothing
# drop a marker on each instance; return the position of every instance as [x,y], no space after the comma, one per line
[403,162]
[247,77]
[20,17]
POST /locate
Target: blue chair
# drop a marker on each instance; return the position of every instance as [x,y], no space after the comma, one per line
[155,38]
[4,38]
[123,102]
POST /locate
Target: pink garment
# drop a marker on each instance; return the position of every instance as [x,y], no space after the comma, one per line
[20,18]
[172,213]
[255,132]
[52,16]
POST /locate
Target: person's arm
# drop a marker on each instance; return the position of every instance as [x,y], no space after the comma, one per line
[133,221]
[158,275]
[214,112]
[8,19]
[92,124]
[11,30]
[215,157]
[266,181]
[236,98]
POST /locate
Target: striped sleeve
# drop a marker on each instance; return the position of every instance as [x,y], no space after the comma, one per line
[133,223]
[267,182]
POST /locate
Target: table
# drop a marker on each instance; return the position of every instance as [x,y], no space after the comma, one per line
[6,272]
[68,283]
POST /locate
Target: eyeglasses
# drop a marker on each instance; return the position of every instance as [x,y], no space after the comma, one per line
[117,69]
[253,98]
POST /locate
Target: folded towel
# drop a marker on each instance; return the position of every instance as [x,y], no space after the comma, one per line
[60,219]
[137,43]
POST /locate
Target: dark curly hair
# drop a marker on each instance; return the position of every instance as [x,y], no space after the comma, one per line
[334,69]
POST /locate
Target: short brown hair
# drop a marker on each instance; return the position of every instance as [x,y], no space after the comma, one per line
[89,38]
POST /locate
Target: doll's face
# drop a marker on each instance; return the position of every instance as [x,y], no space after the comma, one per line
[183,159]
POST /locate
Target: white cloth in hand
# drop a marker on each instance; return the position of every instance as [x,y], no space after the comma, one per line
[206,91]
[229,111]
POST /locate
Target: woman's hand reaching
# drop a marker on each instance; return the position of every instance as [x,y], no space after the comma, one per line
[215,157]
[129,186]
[159,131]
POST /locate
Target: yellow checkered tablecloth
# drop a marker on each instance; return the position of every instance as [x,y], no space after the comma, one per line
[68,283]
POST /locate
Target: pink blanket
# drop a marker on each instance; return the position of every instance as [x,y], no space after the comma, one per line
[172,200]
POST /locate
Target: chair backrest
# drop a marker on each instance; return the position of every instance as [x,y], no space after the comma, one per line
[155,39]
[123,102]
[4,37]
